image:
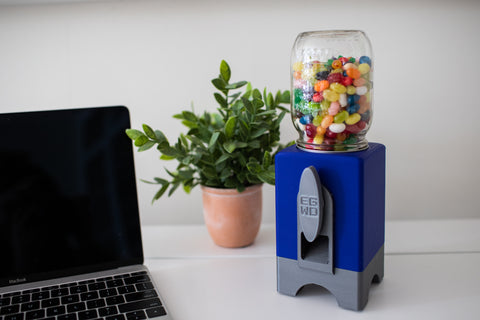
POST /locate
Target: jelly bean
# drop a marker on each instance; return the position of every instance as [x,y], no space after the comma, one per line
[316,66]
[327,121]
[353,108]
[324,105]
[364,68]
[353,98]
[353,73]
[299,83]
[308,74]
[362,90]
[322,75]
[338,88]
[365,116]
[364,106]
[341,117]
[334,108]
[332,101]
[313,106]
[335,77]
[359,82]
[317,97]
[306,119]
[347,81]
[321,85]
[350,140]
[356,128]
[298,66]
[365,59]
[329,141]
[310,130]
[317,120]
[351,90]
[353,118]
[343,99]
[331,134]
[318,139]
[337,127]
[321,130]
[337,64]
[330,95]
[361,125]
[297,95]
[342,136]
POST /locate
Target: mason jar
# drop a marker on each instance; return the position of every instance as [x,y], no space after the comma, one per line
[332,90]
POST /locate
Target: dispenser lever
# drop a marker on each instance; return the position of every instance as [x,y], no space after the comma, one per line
[310,204]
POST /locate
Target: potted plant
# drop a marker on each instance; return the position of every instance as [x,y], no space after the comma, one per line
[229,153]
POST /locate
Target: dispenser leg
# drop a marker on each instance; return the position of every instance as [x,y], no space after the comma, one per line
[350,288]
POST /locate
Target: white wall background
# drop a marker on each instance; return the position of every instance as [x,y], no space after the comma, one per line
[157,57]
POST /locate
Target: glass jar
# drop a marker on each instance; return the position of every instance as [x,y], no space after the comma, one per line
[331,79]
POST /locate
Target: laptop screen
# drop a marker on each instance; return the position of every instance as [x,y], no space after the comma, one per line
[68,200]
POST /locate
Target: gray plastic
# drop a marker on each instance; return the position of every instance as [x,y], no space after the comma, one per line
[350,288]
[315,264]
[314,223]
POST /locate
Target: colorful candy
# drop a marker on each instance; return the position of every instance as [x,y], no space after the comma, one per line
[332,100]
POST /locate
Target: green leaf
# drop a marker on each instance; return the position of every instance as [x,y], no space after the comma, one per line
[141,140]
[254,144]
[160,137]
[173,188]
[236,85]
[254,167]
[149,131]
[209,173]
[189,116]
[221,100]
[213,140]
[267,159]
[134,134]
[258,133]
[222,158]
[229,146]
[285,97]
[267,177]
[160,192]
[160,181]
[146,146]
[227,172]
[256,94]
[230,127]
[269,101]
[165,157]
[219,84]
[225,71]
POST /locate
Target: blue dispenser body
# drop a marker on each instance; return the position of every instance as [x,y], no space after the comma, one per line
[356,182]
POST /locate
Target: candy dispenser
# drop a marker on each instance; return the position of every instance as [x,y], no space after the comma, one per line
[331,77]
[330,187]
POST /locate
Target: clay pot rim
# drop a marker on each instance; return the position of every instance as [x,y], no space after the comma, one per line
[231,191]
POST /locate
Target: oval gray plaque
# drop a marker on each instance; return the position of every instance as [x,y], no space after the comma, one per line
[310,203]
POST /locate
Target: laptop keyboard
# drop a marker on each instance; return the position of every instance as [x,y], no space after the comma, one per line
[128,296]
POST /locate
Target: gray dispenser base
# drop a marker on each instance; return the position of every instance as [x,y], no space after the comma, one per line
[350,288]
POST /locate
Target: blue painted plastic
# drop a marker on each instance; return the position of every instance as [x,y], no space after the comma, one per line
[356,181]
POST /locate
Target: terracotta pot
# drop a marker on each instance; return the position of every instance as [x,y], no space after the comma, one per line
[232,218]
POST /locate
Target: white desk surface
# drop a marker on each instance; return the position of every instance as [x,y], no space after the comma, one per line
[432,271]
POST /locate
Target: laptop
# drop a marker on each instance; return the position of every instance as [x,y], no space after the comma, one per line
[70,241]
